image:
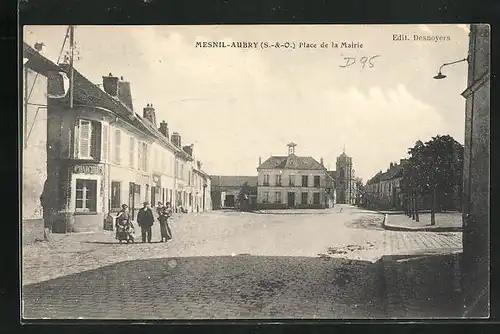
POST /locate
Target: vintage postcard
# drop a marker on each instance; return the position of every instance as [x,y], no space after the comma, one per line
[255,172]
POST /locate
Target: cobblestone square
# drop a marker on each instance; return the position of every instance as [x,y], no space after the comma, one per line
[225,265]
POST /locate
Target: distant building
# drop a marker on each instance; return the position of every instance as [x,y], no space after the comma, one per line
[294,182]
[383,191]
[345,179]
[226,189]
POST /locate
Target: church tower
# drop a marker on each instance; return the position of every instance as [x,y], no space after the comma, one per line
[345,179]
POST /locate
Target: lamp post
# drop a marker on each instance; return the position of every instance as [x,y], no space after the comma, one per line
[440,75]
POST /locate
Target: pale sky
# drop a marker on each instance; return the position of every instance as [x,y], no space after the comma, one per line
[238,104]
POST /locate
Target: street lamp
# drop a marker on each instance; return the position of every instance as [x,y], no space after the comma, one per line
[440,75]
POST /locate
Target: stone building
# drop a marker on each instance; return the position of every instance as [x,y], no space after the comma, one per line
[383,191]
[101,154]
[476,183]
[294,182]
[226,189]
[36,71]
[345,178]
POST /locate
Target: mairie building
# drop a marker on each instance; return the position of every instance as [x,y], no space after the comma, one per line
[293,181]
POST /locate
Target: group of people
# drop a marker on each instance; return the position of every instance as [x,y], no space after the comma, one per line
[145,220]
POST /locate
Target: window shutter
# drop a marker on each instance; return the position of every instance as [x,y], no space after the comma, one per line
[145,157]
[84,139]
[117,147]
[95,140]
[132,152]
[105,145]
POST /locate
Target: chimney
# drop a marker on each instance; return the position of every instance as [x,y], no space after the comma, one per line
[149,113]
[391,165]
[198,164]
[321,161]
[188,149]
[164,128]
[110,85]
[260,161]
[124,93]
[176,139]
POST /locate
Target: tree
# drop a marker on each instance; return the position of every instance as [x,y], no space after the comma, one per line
[360,189]
[244,196]
[441,170]
[434,168]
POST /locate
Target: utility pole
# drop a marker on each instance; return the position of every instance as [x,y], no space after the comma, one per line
[72,53]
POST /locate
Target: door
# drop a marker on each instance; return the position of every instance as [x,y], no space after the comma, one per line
[291,199]
[131,193]
[153,196]
[229,202]
[304,199]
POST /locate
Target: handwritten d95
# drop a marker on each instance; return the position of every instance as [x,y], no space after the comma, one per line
[362,61]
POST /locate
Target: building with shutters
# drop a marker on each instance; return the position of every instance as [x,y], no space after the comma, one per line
[293,181]
[101,154]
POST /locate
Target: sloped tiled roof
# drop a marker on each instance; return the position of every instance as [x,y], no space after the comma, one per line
[291,162]
[233,181]
[332,173]
[88,93]
[394,172]
[37,61]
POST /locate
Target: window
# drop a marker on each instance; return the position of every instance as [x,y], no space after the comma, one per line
[117,157]
[88,140]
[266,197]
[342,172]
[189,178]
[143,156]
[291,180]
[131,156]
[155,157]
[316,198]
[305,181]
[304,198]
[177,168]
[316,182]
[182,172]
[105,130]
[84,139]
[115,195]
[278,180]
[266,179]
[278,197]
[86,195]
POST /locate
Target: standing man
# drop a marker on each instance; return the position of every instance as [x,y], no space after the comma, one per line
[145,220]
[48,211]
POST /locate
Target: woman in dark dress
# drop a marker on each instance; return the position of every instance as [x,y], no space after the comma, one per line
[165,215]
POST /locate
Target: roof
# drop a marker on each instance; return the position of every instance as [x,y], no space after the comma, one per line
[88,93]
[233,181]
[291,162]
[38,62]
[332,173]
[394,172]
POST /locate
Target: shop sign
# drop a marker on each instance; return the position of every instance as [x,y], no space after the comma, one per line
[88,169]
[157,180]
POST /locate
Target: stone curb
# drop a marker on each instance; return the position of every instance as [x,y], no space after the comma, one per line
[419,229]
[292,213]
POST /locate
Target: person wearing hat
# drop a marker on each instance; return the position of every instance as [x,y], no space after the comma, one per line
[145,220]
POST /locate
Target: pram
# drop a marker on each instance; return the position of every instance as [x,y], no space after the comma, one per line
[125,232]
